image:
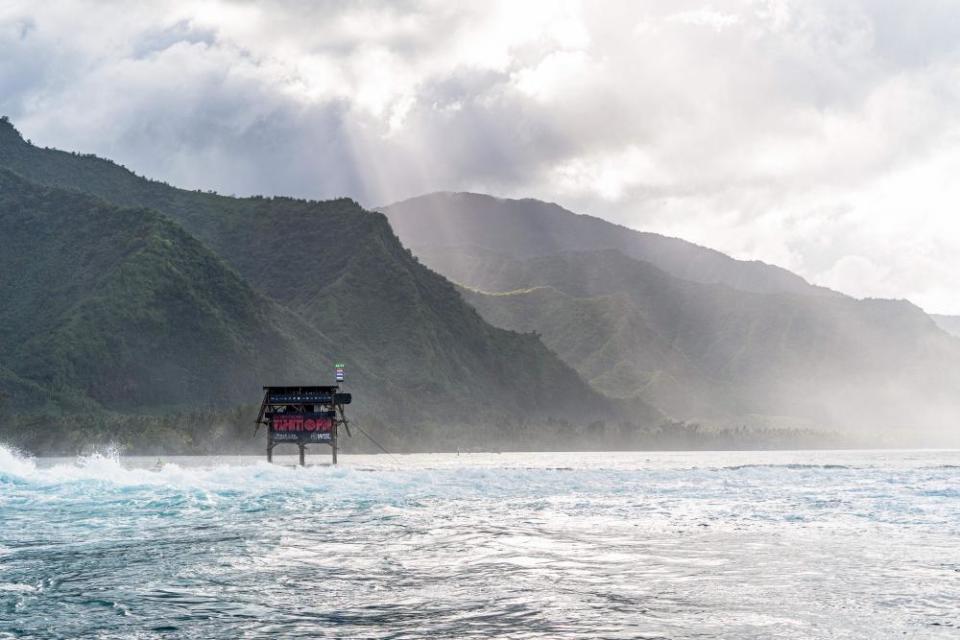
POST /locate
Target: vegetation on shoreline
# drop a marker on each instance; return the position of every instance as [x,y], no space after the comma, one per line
[216,432]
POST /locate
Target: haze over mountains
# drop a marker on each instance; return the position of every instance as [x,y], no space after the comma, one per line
[529,228]
[696,333]
[126,295]
[142,313]
[950,324]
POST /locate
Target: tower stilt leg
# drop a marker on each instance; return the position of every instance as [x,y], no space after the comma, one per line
[333,442]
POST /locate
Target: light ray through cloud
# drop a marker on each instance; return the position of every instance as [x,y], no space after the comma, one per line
[820,136]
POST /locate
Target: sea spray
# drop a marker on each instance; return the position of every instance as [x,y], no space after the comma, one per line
[536,545]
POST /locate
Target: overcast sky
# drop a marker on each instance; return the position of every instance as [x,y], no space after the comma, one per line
[822,136]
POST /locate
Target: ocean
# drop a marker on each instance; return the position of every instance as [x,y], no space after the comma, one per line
[807,544]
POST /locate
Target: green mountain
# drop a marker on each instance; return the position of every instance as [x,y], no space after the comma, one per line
[610,340]
[528,228]
[106,308]
[710,352]
[132,295]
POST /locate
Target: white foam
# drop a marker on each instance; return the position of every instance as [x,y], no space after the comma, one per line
[16,464]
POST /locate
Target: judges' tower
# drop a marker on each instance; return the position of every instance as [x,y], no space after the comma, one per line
[304,415]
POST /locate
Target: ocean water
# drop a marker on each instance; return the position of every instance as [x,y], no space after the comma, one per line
[533,545]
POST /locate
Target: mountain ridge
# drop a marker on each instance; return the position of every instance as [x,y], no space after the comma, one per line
[715,352]
[529,227]
[950,324]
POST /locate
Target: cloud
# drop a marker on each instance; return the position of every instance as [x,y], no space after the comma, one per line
[817,135]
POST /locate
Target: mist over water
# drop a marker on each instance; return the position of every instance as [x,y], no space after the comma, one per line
[671,545]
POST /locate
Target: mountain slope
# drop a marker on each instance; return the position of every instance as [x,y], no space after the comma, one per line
[611,343]
[712,352]
[950,324]
[416,352]
[123,308]
[530,228]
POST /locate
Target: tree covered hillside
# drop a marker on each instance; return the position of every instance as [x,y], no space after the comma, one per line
[716,354]
[121,308]
[212,296]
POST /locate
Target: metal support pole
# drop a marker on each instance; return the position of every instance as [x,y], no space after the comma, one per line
[303,450]
[334,441]
[269,452]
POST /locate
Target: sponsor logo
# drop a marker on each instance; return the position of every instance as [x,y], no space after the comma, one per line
[301,423]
